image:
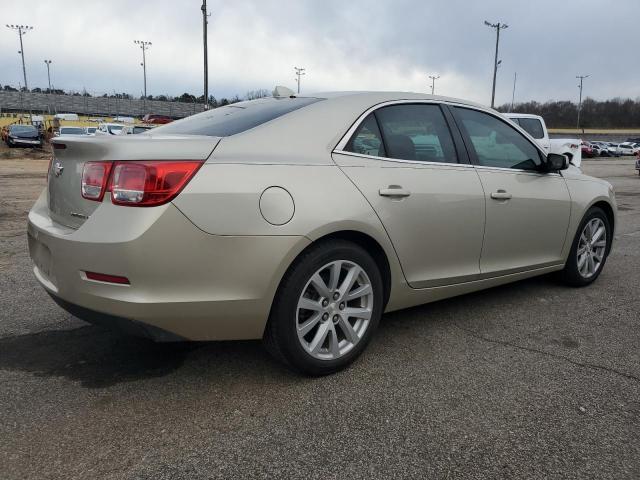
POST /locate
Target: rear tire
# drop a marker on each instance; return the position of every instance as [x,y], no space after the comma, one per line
[327,308]
[589,250]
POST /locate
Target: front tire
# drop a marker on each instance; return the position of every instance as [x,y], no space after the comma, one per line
[589,250]
[327,308]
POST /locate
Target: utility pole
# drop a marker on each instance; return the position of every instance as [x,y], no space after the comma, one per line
[513,95]
[581,77]
[299,72]
[48,63]
[144,46]
[22,30]
[498,26]
[433,82]
[206,56]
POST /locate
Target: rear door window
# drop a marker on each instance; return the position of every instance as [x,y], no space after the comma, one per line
[416,132]
[532,126]
[232,119]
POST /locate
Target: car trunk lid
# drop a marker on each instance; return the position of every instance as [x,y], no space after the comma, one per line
[66,204]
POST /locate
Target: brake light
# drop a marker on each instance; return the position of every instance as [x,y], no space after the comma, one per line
[150,183]
[94,180]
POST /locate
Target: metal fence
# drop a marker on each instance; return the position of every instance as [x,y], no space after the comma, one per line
[111,106]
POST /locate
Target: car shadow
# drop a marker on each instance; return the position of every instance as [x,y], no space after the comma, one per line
[99,358]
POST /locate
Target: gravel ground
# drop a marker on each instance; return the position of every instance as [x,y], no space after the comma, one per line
[530,380]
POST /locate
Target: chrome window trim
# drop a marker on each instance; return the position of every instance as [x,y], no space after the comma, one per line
[339,148]
[399,160]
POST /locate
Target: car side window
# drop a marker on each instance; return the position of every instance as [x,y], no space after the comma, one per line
[367,139]
[497,144]
[416,132]
[533,127]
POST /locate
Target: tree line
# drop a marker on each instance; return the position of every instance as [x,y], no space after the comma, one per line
[615,113]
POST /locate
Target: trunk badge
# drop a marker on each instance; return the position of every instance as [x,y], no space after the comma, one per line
[57,169]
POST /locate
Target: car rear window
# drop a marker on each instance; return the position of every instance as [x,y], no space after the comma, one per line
[532,126]
[232,119]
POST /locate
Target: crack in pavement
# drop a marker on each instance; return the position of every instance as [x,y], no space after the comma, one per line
[549,354]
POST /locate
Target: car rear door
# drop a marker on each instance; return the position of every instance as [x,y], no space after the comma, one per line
[414,172]
[527,211]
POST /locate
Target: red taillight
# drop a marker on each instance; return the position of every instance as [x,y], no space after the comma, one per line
[94,180]
[103,277]
[137,184]
[150,183]
[59,146]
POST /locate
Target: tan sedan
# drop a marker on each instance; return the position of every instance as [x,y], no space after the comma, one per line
[300,220]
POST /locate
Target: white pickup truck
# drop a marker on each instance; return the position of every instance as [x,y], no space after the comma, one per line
[534,125]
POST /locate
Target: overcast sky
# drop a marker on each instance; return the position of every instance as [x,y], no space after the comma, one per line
[344,45]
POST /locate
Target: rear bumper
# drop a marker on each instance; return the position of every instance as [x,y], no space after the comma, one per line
[184,283]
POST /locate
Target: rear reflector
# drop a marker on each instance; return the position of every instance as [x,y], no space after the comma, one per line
[59,146]
[103,277]
[94,180]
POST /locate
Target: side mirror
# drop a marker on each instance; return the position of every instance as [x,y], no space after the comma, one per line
[556,162]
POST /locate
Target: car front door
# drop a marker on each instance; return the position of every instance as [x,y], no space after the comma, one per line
[527,210]
[416,176]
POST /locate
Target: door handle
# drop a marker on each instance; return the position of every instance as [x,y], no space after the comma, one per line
[501,195]
[394,191]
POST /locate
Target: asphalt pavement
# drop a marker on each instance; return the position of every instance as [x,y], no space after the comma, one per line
[529,380]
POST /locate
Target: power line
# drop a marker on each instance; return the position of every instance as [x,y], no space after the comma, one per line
[22,30]
[498,26]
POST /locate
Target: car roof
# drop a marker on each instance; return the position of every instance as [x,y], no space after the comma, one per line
[522,115]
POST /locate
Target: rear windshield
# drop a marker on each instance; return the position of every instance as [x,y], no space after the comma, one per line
[532,126]
[239,117]
[72,131]
[23,129]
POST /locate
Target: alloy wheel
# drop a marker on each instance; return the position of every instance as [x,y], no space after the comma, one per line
[591,247]
[334,310]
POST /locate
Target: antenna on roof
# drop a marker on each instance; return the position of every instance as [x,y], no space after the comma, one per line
[281,91]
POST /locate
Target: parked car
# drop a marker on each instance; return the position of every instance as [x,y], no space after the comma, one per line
[535,126]
[109,129]
[157,119]
[213,228]
[23,136]
[613,149]
[628,148]
[600,149]
[91,130]
[587,150]
[72,131]
[135,129]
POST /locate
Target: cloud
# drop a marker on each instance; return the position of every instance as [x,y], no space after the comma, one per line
[353,45]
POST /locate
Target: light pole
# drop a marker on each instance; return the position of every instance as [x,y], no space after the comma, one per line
[513,95]
[22,30]
[144,46]
[299,72]
[433,82]
[498,26]
[581,77]
[206,56]
[48,63]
